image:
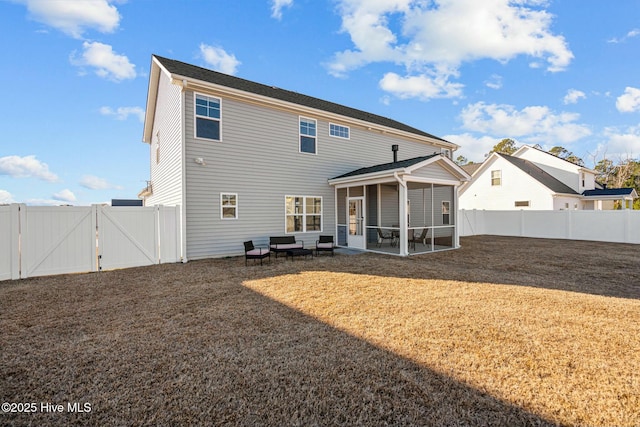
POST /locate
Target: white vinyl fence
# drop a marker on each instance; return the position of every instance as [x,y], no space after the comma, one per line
[40,240]
[621,226]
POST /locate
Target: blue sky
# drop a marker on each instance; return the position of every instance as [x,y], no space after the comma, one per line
[75,75]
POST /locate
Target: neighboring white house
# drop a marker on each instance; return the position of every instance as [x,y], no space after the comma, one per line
[246,161]
[534,179]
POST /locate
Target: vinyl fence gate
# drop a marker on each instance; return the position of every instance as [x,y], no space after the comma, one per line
[41,240]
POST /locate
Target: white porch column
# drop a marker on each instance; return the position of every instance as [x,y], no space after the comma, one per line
[456,216]
[404,223]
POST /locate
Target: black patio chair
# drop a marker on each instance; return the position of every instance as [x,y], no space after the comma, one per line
[251,252]
[325,244]
[384,236]
[420,239]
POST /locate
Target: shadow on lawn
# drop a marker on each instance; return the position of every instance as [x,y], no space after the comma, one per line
[180,344]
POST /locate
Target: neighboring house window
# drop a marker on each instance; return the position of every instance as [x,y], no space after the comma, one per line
[496,177]
[303,214]
[583,179]
[228,206]
[207,117]
[523,204]
[338,131]
[307,135]
[445,213]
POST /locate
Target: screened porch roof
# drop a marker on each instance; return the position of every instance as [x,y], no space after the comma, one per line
[435,168]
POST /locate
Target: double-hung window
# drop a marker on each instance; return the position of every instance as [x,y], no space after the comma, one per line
[338,131]
[496,177]
[446,206]
[228,206]
[303,214]
[207,113]
[308,135]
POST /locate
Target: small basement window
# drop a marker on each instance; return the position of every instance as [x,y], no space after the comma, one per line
[523,204]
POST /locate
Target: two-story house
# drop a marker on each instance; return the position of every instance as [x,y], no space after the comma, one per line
[246,161]
[533,179]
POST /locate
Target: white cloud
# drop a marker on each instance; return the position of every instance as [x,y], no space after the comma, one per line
[65,195]
[623,142]
[107,63]
[421,86]
[471,147]
[95,183]
[573,95]
[123,113]
[6,197]
[277,6]
[629,101]
[218,59]
[26,167]
[533,124]
[495,82]
[74,17]
[438,36]
[633,33]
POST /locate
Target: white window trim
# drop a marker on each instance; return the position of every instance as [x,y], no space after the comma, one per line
[304,214]
[300,135]
[222,206]
[338,136]
[195,118]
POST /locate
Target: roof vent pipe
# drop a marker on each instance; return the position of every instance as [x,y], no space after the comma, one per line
[394,148]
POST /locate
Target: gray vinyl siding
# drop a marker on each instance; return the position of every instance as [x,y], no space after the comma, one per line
[166,175]
[259,159]
[389,210]
[434,172]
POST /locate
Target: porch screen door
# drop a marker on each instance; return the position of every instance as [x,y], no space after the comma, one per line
[356,237]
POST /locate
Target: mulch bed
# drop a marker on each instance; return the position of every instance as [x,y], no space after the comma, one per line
[504,331]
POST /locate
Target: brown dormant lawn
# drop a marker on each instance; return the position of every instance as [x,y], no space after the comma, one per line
[505,331]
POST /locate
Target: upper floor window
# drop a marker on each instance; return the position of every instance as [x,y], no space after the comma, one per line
[583,178]
[308,135]
[496,177]
[207,115]
[338,131]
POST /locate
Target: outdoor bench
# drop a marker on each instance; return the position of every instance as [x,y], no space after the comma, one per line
[284,243]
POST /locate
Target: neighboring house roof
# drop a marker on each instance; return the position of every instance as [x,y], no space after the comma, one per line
[471,168]
[209,76]
[387,166]
[525,147]
[539,175]
[609,192]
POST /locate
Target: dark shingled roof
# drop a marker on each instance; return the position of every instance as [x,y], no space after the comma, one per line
[187,70]
[470,168]
[608,192]
[539,175]
[388,166]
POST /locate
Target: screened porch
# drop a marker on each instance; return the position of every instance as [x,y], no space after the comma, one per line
[369,218]
[400,208]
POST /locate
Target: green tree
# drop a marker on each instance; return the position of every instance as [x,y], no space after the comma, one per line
[462,160]
[506,146]
[567,155]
